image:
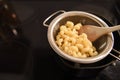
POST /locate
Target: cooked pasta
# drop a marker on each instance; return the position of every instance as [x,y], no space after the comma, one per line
[73,44]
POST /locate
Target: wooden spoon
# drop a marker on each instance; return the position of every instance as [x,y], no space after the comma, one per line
[94,32]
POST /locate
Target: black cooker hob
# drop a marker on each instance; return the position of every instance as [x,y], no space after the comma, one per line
[100,70]
[64,69]
[47,64]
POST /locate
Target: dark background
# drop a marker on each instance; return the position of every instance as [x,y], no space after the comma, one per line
[32,13]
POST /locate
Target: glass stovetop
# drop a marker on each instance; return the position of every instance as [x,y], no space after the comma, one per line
[32,13]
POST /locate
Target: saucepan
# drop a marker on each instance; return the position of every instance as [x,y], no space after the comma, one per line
[104,44]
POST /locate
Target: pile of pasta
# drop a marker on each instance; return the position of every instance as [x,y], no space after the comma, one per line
[73,44]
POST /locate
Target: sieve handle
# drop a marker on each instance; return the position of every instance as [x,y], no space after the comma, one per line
[55,13]
[117,57]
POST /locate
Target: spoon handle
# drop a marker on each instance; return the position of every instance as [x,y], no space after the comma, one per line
[114,28]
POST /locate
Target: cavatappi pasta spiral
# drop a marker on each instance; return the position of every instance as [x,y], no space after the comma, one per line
[73,44]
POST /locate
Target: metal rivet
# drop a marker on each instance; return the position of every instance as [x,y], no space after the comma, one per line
[6,6]
[14,15]
[15,32]
[114,63]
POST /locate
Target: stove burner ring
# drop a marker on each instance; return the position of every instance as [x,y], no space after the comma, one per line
[77,70]
[93,65]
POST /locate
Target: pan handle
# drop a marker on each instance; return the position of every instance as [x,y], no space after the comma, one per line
[117,57]
[55,13]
